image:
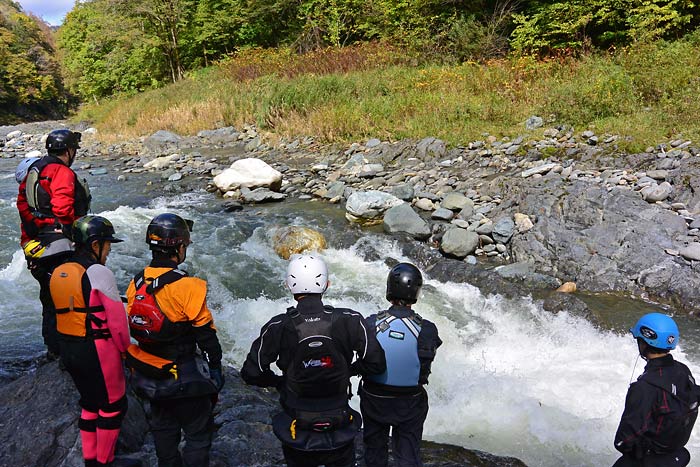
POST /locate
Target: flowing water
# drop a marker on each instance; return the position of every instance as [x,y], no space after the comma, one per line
[511,378]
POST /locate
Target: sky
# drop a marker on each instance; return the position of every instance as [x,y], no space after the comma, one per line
[52,11]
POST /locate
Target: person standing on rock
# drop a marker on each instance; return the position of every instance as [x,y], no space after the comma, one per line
[314,345]
[169,317]
[93,336]
[662,405]
[396,399]
[50,199]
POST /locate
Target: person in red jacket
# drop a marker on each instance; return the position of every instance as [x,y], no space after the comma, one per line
[93,336]
[49,200]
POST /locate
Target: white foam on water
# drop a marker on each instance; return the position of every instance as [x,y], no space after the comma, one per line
[510,378]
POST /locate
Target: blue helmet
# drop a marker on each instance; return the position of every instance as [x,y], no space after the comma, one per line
[657,330]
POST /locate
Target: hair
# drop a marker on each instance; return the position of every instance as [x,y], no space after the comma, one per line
[163,253]
[56,152]
[402,302]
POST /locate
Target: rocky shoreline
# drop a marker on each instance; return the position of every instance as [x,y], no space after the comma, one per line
[40,428]
[565,207]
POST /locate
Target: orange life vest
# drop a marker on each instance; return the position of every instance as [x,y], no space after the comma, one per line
[70,290]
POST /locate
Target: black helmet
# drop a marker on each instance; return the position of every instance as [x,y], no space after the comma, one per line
[60,140]
[167,231]
[404,283]
[89,228]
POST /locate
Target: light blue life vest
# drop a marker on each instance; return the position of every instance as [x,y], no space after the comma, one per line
[399,339]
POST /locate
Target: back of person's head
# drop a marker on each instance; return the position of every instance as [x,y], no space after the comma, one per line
[307,274]
[166,232]
[403,284]
[59,141]
[658,331]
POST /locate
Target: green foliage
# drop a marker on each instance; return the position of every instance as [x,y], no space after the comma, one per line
[579,25]
[30,84]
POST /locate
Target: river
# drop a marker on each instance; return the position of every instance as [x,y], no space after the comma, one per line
[511,378]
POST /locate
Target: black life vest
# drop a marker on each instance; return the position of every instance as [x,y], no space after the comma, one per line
[147,322]
[316,380]
[679,413]
[39,199]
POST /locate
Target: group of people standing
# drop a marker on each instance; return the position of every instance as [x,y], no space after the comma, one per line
[175,362]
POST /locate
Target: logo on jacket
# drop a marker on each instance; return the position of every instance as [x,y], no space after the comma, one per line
[138,320]
[312,320]
[323,362]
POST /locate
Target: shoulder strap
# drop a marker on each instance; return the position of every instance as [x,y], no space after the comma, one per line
[163,280]
[673,392]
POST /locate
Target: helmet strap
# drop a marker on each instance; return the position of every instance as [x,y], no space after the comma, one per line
[643,348]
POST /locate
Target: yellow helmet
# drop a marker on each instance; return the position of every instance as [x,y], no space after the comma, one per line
[33,249]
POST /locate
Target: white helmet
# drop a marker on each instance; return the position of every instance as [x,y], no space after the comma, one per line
[307,274]
[23,168]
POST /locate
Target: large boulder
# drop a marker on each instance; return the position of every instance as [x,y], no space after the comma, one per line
[161,140]
[368,207]
[459,242]
[250,173]
[404,219]
[293,239]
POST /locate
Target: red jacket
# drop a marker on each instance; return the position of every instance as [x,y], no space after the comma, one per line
[59,181]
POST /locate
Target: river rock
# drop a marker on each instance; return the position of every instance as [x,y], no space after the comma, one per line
[290,240]
[539,169]
[485,227]
[370,204]
[503,229]
[522,222]
[456,202]
[403,191]
[430,148]
[567,287]
[161,140]
[404,219]
[220,135]
[656,193]
[459,242]
[160,163]
[261,195]
[249,173]
[534,122]
[334,190]
[691,252]
[442,214]
[424,204]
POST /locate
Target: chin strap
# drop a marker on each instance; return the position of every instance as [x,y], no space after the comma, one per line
[636,360]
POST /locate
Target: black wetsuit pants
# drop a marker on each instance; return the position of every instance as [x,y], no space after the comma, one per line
[41,271]
[341,457]
[680,458]
[191,416]
[405,415]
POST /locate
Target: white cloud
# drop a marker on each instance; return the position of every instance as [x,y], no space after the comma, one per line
[53,11]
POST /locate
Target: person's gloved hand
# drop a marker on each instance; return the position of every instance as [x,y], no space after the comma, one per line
[218,377]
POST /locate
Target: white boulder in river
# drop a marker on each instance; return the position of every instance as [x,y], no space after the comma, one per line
[249,173]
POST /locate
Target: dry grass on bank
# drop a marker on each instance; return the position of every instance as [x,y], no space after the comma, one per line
[649,93]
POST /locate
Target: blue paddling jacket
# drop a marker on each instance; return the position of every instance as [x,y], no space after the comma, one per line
[410,344]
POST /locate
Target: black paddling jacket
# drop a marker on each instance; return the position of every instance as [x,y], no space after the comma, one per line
[650,422]
[278,342]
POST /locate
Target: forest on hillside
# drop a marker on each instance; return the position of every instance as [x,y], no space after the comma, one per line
[30,78]
[107,47]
